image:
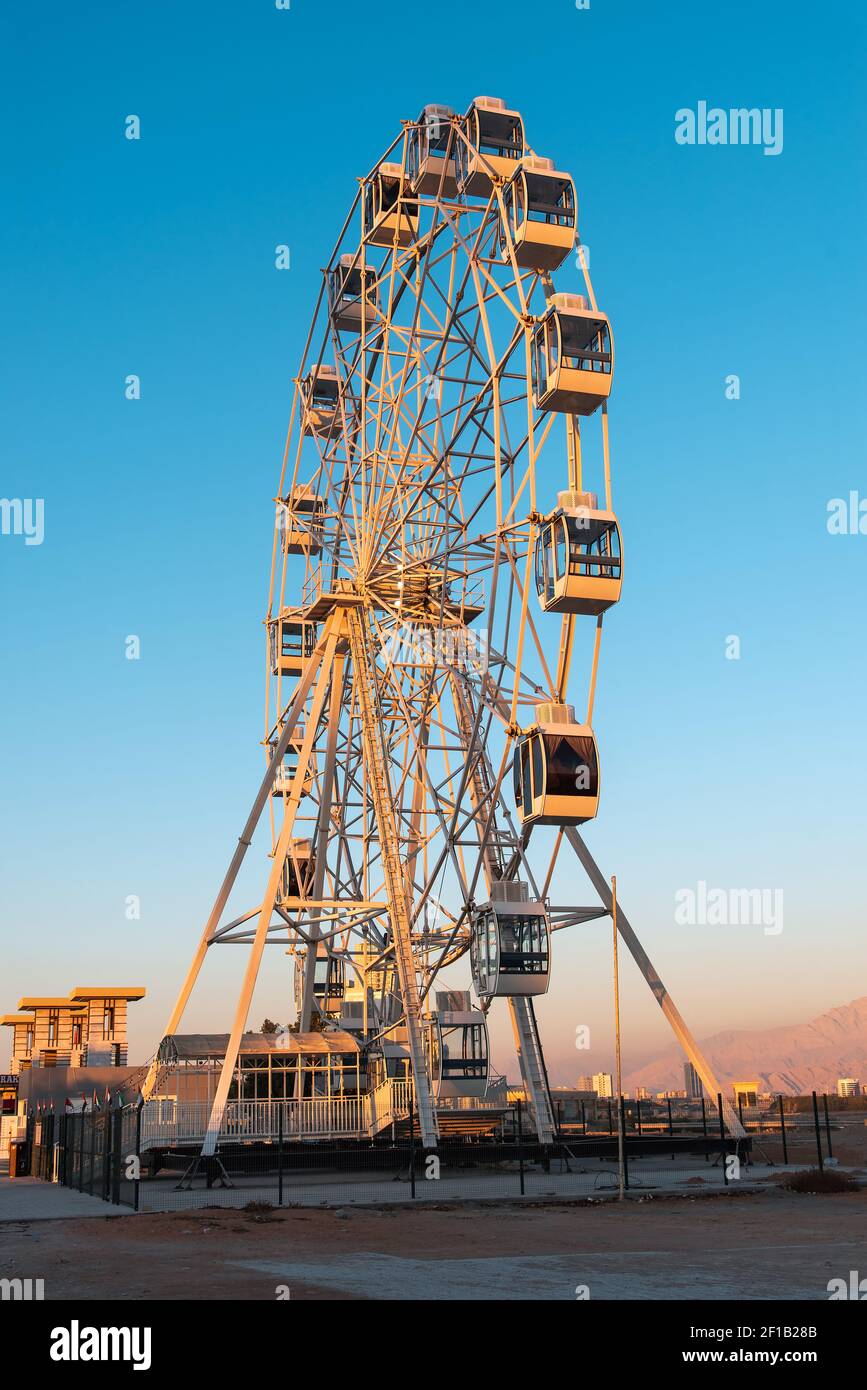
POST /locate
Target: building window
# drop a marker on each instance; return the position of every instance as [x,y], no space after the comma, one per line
[52,1029]
[108,1020]
[76,1032]
[28,1042]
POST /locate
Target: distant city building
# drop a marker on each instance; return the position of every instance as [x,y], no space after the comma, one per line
[746,1093]
[601,1084]
[848,1086]
[573,1107]
[86,1028]
[642,1093]
[692,1082]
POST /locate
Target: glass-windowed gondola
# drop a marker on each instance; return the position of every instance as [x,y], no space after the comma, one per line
[458,1046]
[352,295]
[291,642]
[573,357]
[300,521]
[320,399]
[494,144]
[299,868]
[579,567]
[510,945]
[389,211]
[329,980]
[540,206]
[430,156]
[285,774]
[556,769]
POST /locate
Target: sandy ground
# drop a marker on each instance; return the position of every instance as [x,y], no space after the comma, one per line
[765,1246]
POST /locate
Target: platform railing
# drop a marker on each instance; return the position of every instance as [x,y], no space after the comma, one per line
[166,1120]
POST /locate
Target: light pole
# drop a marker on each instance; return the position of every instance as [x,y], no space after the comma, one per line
[618,1068]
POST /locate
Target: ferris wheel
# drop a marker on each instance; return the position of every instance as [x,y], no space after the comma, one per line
[445,549]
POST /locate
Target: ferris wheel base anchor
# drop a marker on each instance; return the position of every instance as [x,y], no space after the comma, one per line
[211,1169]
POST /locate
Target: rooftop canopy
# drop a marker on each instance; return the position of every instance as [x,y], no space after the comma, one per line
[130,992]
[188,1047]
[49,1001]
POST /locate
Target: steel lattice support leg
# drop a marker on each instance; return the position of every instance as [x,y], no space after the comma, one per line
[657,988]
[398,905]
[222,1092]
[322,838]
[245,839]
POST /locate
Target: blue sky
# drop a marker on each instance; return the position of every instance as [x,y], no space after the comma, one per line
[156,257]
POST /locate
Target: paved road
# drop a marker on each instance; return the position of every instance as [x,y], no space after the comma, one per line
[30,1199]
[796,1270]
[319,1188]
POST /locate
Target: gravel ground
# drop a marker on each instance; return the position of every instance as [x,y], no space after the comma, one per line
[764,1246]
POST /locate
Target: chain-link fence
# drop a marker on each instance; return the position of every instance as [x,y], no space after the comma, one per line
[291,1174]
[108,1153]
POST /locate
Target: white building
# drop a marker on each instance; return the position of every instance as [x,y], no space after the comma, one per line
[848,1086]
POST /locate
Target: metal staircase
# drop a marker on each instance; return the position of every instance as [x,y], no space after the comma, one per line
[395,882]
[529,1049]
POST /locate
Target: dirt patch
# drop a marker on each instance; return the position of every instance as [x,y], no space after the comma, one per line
[230,1254]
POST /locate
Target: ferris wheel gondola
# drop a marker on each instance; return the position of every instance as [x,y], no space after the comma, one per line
[492,145]
[573,357]
[510,947]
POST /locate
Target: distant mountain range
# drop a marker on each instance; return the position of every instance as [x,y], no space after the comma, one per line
[794,1060]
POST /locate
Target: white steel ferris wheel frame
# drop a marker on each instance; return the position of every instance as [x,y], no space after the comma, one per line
[433,473]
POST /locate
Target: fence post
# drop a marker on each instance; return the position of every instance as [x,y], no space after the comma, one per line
[81,1115]
[638,1114]
[583,1120]
[670,1129]
[783,1131]
[722,1139]
[704,1126]
[116,1147]
[137,1168]
[412,1137]
[610,1124]
[622,1152]
[818,1133]
[106,1153]
[61,1149]
[92,1150]
[827,1125]
[280,1154]
[520,1147]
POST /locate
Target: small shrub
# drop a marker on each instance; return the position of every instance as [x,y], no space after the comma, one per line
[816,1180]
